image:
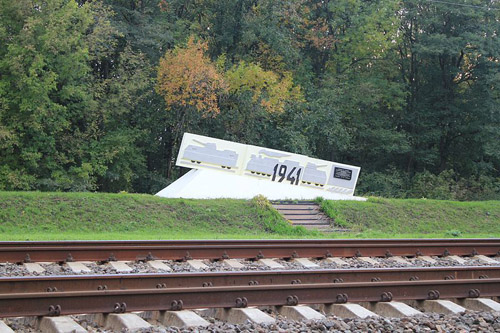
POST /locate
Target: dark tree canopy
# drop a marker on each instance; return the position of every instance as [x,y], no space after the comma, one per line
[95,95]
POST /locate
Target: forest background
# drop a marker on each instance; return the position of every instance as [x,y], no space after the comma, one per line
[95,95]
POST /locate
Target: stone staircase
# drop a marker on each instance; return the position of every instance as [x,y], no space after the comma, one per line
[306,214]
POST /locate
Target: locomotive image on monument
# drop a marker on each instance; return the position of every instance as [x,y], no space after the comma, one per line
[225,169]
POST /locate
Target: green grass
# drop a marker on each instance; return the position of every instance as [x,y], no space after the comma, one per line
[411,218]
[52,216]
[59,216]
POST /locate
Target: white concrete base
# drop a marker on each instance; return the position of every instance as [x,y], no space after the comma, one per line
[270,263]
[233,263]
[299,312]
[60,325]
[240,316]
[159,265]
[393,309]
[428,259]
[401,260]
[33,267]
[128,321]
[347,310]
[336,261]
[78,267]
[439,306]
[480,304]
[458,259]
[486,259]
[4,328]
[181,319]
[197,264]
[120,266]
[369,260]
[208,184]
[306,263]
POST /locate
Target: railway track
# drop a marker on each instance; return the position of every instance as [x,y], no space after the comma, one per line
[104,251]
[87,294]
[49,296]
[40,284]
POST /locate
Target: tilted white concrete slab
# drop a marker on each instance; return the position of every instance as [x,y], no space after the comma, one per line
[458,259]
[270,263]
[429,259]
[120,266]
[306,263]
[78,267]
[129,321]
[208,184]
[336,261]
[197,264]
[393,309]
[369,260]
[4,328]
[486,259]
[233,263]
[159,265]
[401,260]
[347,310]
[33,267]
[61,324]
[240,316]
[438,306]
[480,304]
[181,319]
[299,312]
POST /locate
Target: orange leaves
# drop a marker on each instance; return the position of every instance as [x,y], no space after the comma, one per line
[186,78]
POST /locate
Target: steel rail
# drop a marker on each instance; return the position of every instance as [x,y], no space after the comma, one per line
[107,301]
[34,284]
[215,250]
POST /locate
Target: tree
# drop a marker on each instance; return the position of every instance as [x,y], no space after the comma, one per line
[190,85]
[44,94]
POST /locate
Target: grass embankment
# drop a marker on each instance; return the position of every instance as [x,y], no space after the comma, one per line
[54,216]
[416,218]
[59,216]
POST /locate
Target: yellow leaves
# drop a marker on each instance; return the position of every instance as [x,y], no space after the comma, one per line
[187,78]
[268,88]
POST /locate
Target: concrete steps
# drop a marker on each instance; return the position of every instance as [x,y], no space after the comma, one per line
[306,214]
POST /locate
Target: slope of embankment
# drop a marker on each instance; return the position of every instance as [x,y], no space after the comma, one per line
[53,216]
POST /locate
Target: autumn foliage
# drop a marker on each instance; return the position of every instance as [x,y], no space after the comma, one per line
[187,78]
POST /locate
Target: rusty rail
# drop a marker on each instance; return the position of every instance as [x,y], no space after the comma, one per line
[248,249]
[34,284]
[106,301]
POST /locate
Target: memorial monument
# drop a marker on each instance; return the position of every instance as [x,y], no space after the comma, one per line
[225,169]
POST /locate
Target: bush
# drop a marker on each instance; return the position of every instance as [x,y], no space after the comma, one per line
[389,184]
